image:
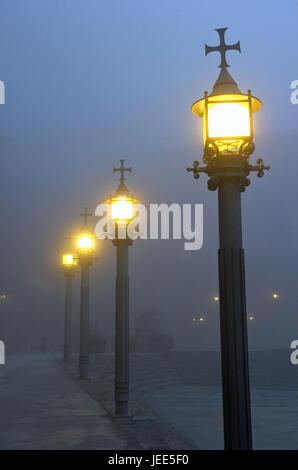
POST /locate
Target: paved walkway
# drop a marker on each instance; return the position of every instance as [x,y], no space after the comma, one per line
[41,407]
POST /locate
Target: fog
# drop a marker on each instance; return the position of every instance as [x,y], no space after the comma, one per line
[88,83]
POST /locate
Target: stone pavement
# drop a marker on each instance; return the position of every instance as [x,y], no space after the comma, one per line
[44,406]
[145,428]
[41,407]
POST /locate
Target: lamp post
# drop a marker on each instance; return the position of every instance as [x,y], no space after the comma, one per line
[85,253]
[122,212]
[69,268]
[228,144]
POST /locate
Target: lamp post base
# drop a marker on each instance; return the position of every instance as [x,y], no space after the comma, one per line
[83,372]
[66,356]
[121,408]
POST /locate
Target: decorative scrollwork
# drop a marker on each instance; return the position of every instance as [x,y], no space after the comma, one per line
[196,169]
[259,167]
[247,148]
[213,183]
[244,182]
[211,150]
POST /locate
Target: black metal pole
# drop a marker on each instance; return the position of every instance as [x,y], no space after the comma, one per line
[84,321]
[233,321]
[67,316]
[122,330]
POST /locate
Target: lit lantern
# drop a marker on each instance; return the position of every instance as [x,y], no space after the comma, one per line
[199,319]
[3,298]
[122,208]
[85,242]
[227,118]
[68,260]
[122,201]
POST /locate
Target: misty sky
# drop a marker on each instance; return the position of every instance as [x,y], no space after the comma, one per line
[90,82]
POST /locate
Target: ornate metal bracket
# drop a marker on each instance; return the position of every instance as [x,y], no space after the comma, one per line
[196,169]
[259,167]
[221,167]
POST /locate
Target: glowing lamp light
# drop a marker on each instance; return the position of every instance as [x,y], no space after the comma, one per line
[227,121]
[199,319]
[251,318]
[122,208]
[85,242]
[216,298]
[3,298]
[275,296]
[68,259]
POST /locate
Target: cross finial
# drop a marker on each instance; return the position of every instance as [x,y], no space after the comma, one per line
[222,48]
[85,215]
[122,170]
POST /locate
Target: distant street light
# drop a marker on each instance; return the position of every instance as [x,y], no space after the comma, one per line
[69,268]
[199,320]
[216,298]
[275,296]
[122,212]
[3,298]
[228,143]
[85,253]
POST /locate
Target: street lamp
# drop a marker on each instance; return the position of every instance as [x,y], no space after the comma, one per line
[122,204]
[85,254]
[199,320]
[3,298]
[228,143]
[69,268]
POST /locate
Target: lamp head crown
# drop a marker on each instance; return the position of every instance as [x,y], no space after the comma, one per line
[222,48]
[224,84]
[122,188]
[225,87]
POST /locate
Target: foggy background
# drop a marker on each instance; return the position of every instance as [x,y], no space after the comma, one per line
[88,83]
